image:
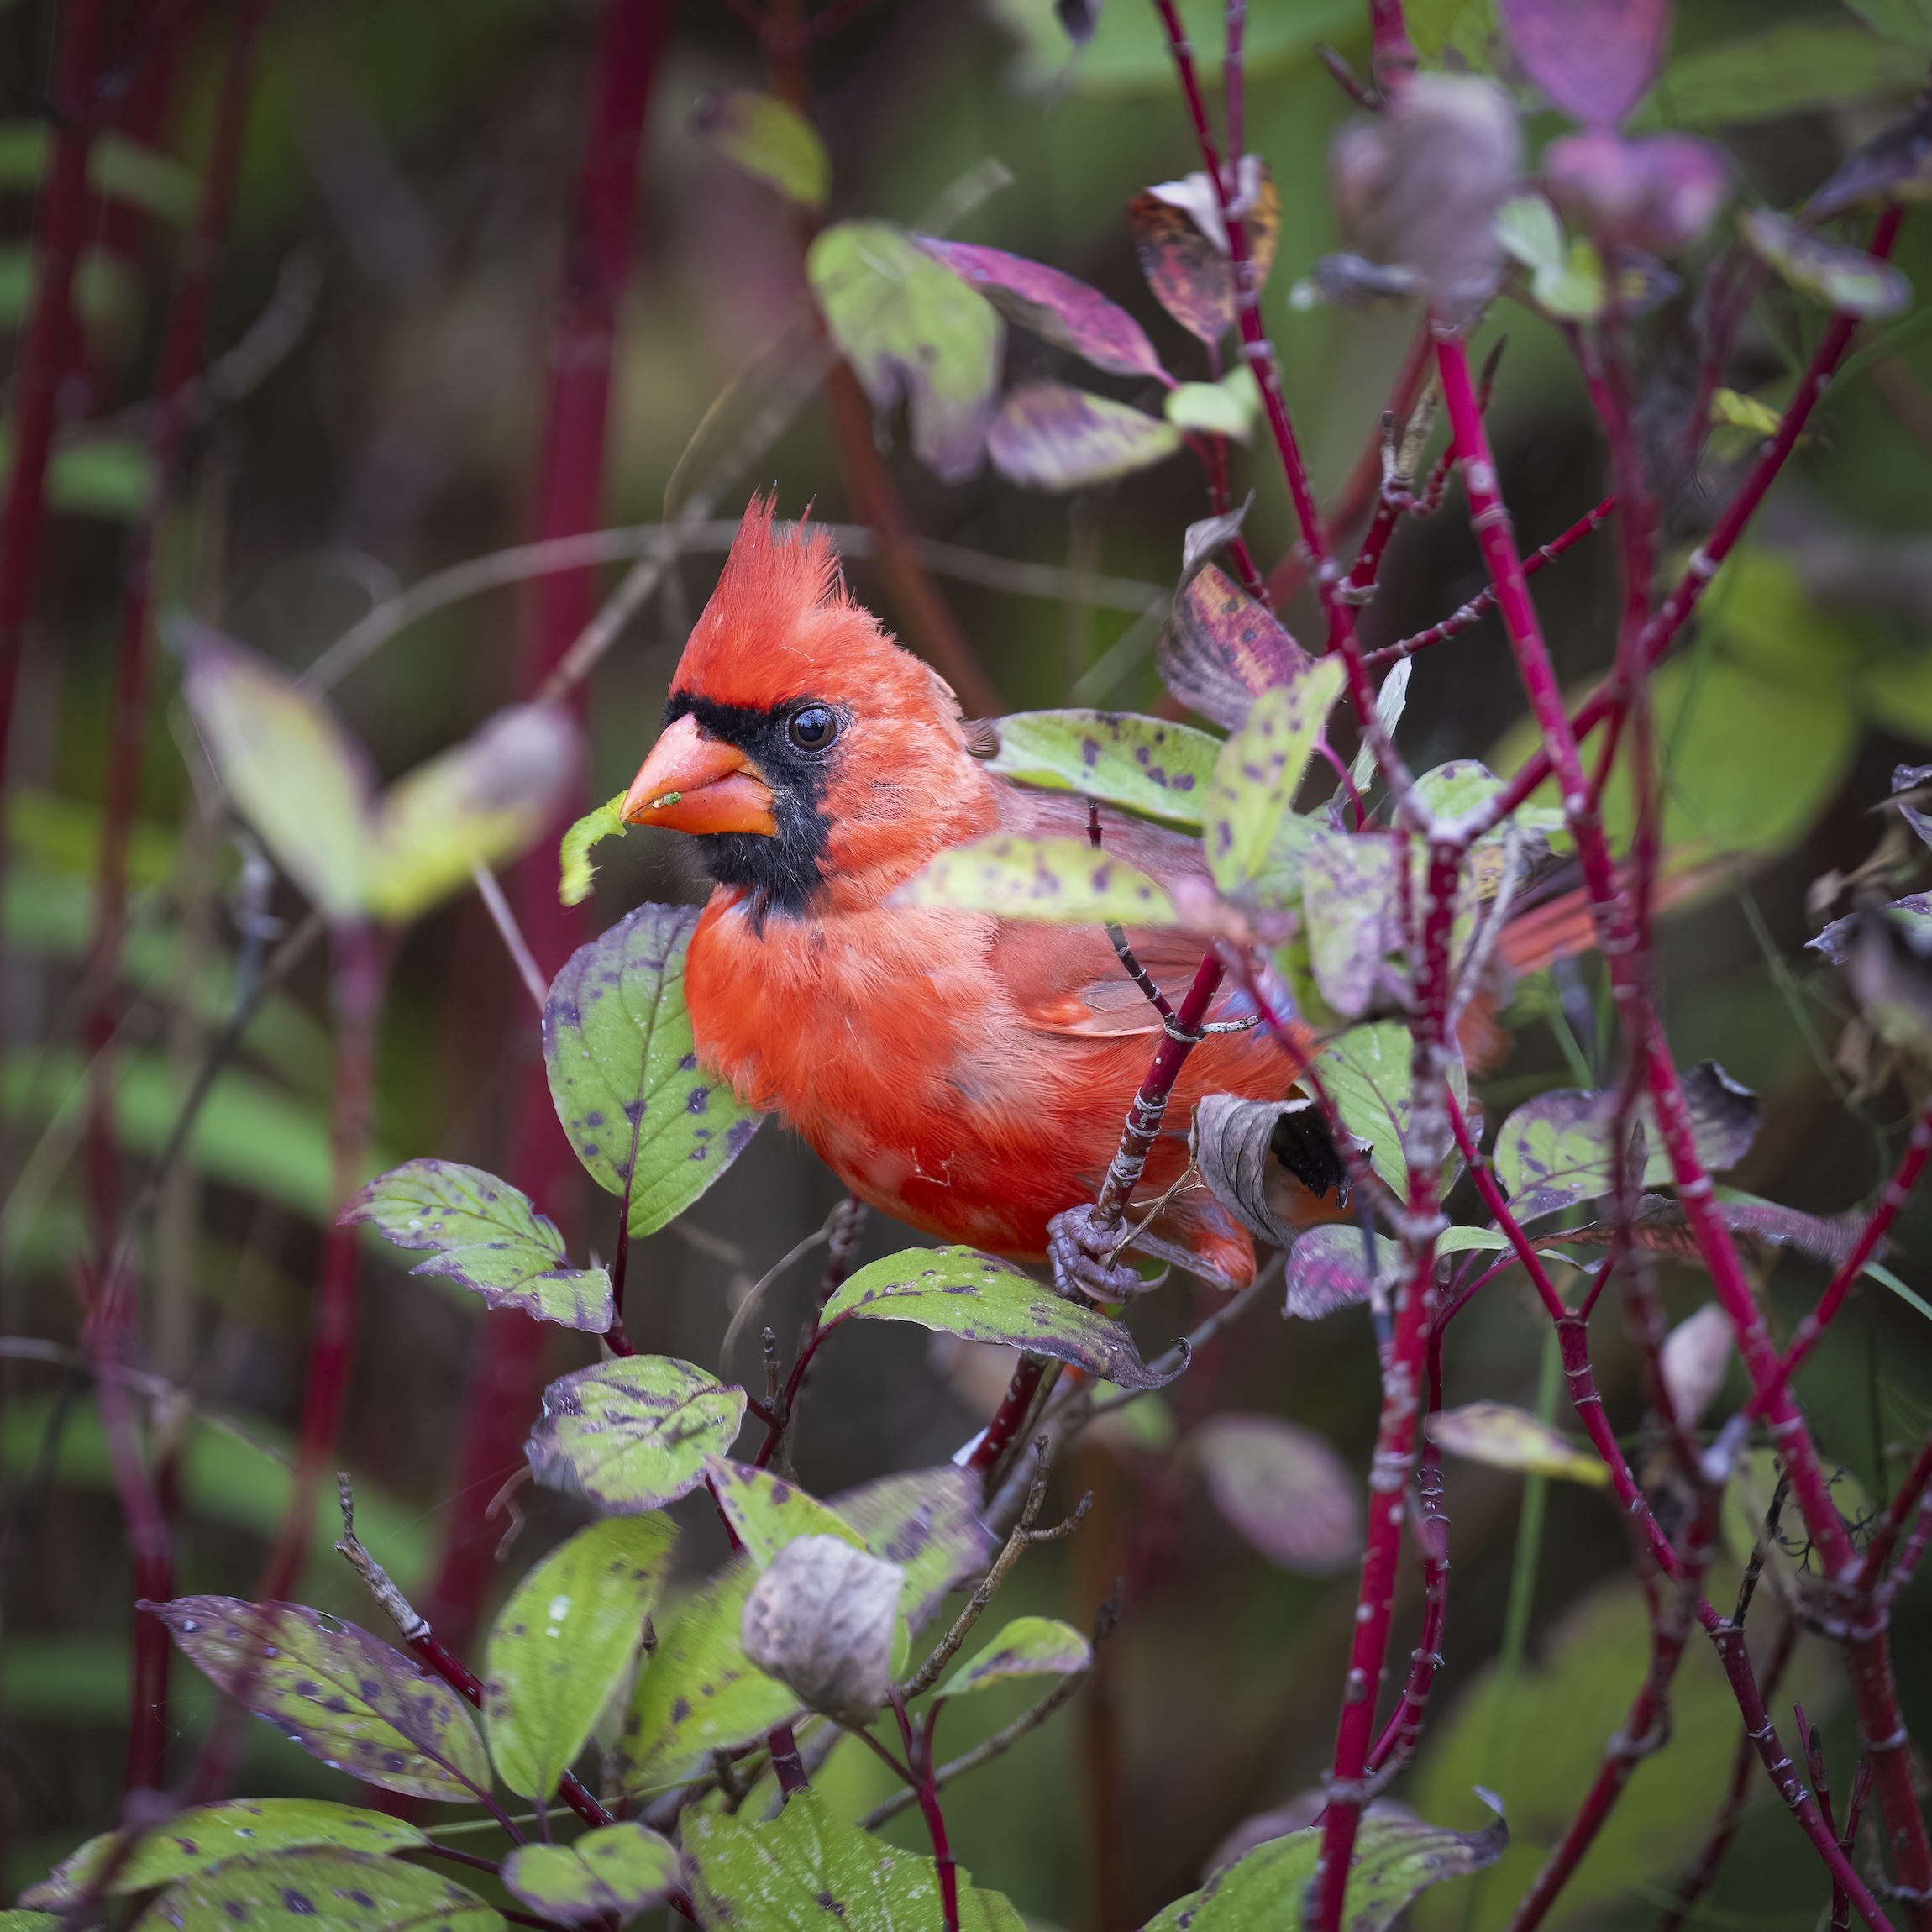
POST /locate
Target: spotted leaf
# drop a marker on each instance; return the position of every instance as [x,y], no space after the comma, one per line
[329,1891]
[1062,881]
[1145,764]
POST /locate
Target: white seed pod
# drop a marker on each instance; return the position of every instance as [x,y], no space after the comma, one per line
[820,1619]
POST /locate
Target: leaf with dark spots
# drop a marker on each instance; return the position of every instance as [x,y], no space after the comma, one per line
[1052,304]
[960,1291]
[631,1434]
[1555,1150]
[1221,650]
[1284,1488]
[1187,268]
[1367,1072]
[397,1724]
[927,1522]
[806,1871]
[1260,768]
[618,1046]
[1026,1647]
[1047,436]
[1348,885]
[1593,58]
[700,1693]
[332,1891]
[615,1871]
[1143,765]
[1062,881]
[488,1237]
[205,1835]
[564,1641]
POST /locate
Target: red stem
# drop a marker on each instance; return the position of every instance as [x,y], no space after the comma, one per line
[505,1383]
[919,1759]
[48,345]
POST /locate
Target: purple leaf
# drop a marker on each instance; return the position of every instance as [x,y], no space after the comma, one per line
[1053,304]
[344,1695]
[926,1521]
[1284,1488]
[1895,163]
[1049,437]
[1221,650]
[1186,268]
[1594,59]
[1658,194]
[1328,1269]
[1912,916]
[1909,792]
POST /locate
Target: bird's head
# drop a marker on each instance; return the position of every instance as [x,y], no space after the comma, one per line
[804,749]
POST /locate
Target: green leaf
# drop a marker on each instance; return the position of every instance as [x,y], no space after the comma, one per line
[319,1891]
[909,327]
[631,1434]
[1509,1438]
[927,1522]
[127,170]
[1143,765]
[1047,436]
[1573,289]
[624,1072]
[1834,273]
[616,1870]
[344,1695]
[1027,1647]
[565,1641]
[960,1291]
[1744,412]
[806,1872]
[205,1835]
[29,1921]
[699,1693]
[1365,1073]
[1062,881]
[1396,1858]
[488,1237]
[1347,896]
[294,774]
[1796,67]
[1228,407]
[484,801]
[1529,231]
[574,854]
[769,139]
[100,477]
[1262,766]
[766,1512]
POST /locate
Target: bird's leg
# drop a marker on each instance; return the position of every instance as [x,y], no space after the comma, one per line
[1081,1250]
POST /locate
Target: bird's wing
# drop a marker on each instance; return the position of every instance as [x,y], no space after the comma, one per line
[1068,978]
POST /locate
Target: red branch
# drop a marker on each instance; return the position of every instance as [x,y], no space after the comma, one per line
[47,349]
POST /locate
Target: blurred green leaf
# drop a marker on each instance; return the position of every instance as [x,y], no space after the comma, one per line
[205,1835]
[487,1236]
[699,1693]
[1509,1438]
[344,1696]
[807,1869]
[64,835]
[631,1434]
[1062,881]
[484,801]
[293,771]
[1467,29]
[71,1680]
[927,1522]
[1573,289]
[564,1643]
[1228,407]
[1744,412]
[1262,766]
[574,865]
[1145,764]
[321,1891]
[1798,66]
[110,476]
[118,167]
[960,1291]
[1592,1662]
[624,1071]
[912,328]
[616,1870]
[1835,273]
[1027,1647]
[769,139]
[1529,231]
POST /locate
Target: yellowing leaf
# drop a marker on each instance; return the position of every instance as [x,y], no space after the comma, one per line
[1509,1438]
[770,139]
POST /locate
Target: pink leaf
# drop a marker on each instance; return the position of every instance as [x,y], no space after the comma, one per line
[1658,194]
[1221,650]
[1284,1488]
[1067,312]
[1594,59]
[1049,437]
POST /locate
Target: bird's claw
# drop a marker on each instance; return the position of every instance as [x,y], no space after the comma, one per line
[1082,1256]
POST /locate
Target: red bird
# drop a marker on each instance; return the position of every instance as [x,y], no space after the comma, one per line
[966,1074]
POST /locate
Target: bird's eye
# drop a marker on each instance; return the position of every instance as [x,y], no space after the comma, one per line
[813,728]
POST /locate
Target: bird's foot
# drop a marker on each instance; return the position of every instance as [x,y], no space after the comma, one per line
[1082,1255]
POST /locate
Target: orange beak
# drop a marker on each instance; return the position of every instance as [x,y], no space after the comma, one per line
[692,783]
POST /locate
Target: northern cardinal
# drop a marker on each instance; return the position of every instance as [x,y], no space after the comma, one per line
[965,1074]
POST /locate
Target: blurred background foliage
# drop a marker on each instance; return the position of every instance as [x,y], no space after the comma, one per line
[402,199]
